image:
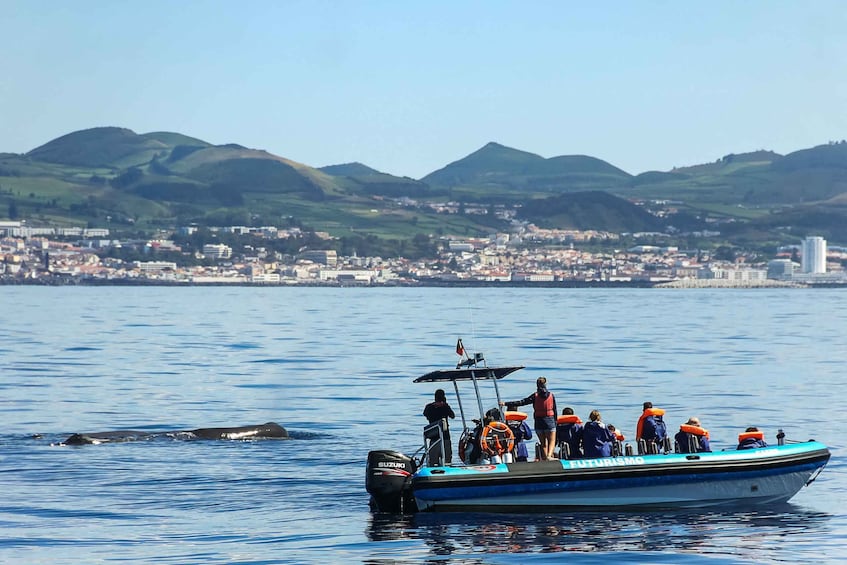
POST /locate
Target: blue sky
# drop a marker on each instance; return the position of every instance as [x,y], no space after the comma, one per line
[409,87]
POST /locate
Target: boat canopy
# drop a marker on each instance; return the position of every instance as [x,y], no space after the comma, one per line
[467,374]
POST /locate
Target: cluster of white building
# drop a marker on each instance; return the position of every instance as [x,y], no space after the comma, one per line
[812,268]
[530,255]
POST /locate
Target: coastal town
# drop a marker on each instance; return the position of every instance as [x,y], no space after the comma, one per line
[526,256]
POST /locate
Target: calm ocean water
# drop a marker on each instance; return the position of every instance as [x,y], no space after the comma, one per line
[335,367]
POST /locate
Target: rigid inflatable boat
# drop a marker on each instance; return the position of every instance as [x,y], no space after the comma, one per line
[491,481]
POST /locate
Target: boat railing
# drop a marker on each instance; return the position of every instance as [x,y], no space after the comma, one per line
[434,445]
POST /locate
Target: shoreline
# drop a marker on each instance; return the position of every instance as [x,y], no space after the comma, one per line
[680,284]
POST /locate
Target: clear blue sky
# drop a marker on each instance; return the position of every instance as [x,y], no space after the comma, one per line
[409,87]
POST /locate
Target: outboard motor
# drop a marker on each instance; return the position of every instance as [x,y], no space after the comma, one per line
[387,481]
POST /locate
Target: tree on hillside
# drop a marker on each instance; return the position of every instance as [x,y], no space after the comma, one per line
[126,178]
[724,253]
[13,210]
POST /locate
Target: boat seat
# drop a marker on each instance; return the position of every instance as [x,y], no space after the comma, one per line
[693,444]
[617,448]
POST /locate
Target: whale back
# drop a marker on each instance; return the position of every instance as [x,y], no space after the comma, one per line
[266,430]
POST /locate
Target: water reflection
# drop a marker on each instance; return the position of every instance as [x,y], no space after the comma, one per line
[704,532]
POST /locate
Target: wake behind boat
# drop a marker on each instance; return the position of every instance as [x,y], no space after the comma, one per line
[491,481]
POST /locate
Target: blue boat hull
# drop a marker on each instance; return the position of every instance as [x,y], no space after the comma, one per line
[757,476]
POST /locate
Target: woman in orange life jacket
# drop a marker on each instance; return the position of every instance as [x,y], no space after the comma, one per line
[751,439]
[544,405]
[692,429]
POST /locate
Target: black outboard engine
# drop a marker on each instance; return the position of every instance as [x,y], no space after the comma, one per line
[387,481]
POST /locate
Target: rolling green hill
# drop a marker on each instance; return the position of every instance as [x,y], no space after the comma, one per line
[364,181]
[155,180]
[350,170]
[590,211]
[113,176]
[761,179]
[99,147]
[499,167]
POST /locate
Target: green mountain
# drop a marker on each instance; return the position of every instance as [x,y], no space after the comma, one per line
[157,179]
[762,178]
[362,180]
[498,167]
[100,147]
[589,210]
[114,177]
[350,170]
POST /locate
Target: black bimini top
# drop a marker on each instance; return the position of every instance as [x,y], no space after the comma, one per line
[467,374]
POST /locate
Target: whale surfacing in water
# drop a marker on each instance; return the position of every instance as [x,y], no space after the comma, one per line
[268,430]
[106,437]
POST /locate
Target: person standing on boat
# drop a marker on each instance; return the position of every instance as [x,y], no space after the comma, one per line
[597,439]
[544,405]
[440,410]
[651,428]
[691,434]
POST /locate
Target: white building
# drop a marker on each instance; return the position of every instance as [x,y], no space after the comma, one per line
[265,278]
[813,258]
[217,251]
[155,266]
[734,275]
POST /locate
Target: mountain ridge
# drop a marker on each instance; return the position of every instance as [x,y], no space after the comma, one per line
[162,178]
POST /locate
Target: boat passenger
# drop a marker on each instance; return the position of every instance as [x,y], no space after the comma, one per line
[752,438]
[544,405]
[569,433]
[651,428]
[440,410]
[692,435]
[597,440]
[617,446]
[517,423]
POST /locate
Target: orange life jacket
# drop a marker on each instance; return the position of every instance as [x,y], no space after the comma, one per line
[644,415]
[749,435]
[568,419]
[512,416]
[696,430]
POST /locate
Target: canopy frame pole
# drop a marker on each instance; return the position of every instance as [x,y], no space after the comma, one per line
[497,392]
[459,400]
[478,397]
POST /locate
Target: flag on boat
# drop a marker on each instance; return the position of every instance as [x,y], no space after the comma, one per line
[460,349]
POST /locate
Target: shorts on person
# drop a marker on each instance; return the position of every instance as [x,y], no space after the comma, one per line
[545,423]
